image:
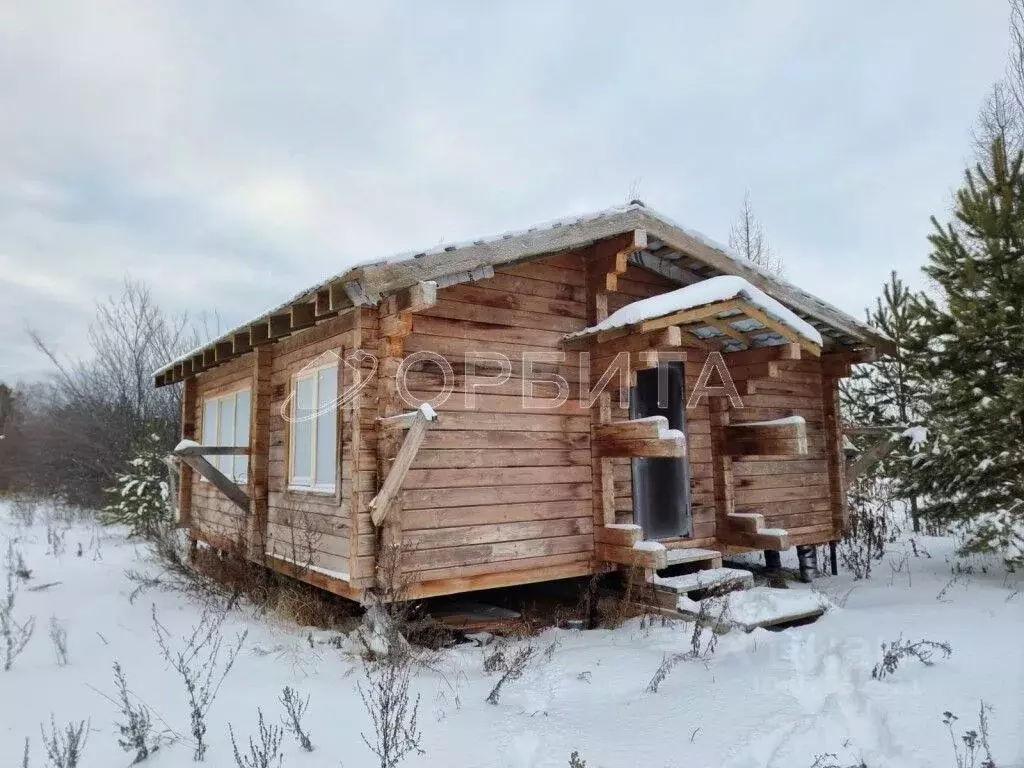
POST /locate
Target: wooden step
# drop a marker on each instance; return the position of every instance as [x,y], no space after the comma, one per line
[755,607]
[710,558]
[746,529]
[707,579]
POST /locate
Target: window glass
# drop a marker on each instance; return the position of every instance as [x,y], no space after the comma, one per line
[226,422]
[314,428]
[302,431]
[326,427]
[226,433]
[210,422]
[241,463]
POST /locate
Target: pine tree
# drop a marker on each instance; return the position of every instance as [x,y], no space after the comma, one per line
[969,346]
[140,499]
[887,393]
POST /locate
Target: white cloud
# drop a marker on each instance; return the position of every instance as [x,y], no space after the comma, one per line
[232,153]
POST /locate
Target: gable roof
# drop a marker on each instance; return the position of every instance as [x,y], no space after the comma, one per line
[678,253]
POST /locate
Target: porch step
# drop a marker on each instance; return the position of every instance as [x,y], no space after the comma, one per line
[706,579]
[748,609]
[694,555]
[670,591]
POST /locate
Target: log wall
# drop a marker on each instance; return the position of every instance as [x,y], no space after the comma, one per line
[502,482]
[213,518]
[793,492]
[501,491]
[287,526]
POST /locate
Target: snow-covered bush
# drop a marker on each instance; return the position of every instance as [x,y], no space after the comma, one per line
[511,664]
[1001,532]
[831,760]
[976,752]
[392,709]
[64,747]
[15,562]
[575,761]
[140,499]
[893,653]
[294,708]
[870,525]
[136,724]
[264,753]
[23,510]
[198,664]
[668,661]
[14,634]
[55,539]
[59,638]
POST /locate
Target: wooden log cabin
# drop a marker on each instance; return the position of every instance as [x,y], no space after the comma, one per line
[304,449]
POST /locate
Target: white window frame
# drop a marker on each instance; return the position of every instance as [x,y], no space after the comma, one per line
[303,483]
[220,462]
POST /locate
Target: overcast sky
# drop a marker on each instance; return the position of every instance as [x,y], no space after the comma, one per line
[232,153]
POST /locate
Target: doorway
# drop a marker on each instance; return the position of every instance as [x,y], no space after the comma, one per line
[661,486]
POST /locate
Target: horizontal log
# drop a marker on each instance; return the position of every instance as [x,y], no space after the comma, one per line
[620,536]
[763,539]
[673,447]
[781,437]
[641,558]
[635,429]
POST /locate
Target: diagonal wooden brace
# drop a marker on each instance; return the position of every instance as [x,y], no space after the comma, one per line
[417,423]
[193,455]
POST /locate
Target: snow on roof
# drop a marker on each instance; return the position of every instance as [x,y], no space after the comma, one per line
[635,214]
[710,291]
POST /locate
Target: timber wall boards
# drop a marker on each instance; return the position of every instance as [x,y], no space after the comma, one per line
[501,491]
[285,525]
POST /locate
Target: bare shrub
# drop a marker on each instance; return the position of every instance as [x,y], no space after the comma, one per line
[895,652]
[55,539]
[169,547]
[388,664]
[263,753]
[392,710]
[15,634]
[136,725]
[23,510]
[294,709]
[198,664]
[870,525]
[87,420]
[15,562]
[710,619]
[59,638]
[394,624]
[511,664]
[976,751]
[668,662]
[303,542]
[64,747]
[831,760]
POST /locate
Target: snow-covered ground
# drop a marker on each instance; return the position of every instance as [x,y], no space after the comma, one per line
[763,699]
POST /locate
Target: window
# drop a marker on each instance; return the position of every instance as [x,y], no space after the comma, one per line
[314,429]
[226,422]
